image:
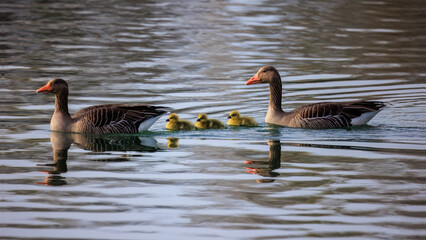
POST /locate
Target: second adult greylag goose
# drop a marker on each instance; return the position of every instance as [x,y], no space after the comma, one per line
[318,115]
[100,119]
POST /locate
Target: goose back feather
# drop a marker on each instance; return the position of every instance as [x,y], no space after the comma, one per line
[115,118]
[333,114]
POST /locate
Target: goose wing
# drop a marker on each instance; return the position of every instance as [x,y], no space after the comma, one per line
[114,118]
[332,114]
[320,115]
[92,108]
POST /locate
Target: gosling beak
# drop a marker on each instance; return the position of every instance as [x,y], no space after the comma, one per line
[45,88]
[229,117]
[167,120]
[254,80]
[198,120]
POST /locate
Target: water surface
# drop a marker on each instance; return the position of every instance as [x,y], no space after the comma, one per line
[266,182]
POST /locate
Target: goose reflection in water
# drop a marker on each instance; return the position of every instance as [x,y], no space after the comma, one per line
[61,142]
[266,168]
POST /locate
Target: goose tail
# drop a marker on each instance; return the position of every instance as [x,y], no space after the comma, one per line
[361,112]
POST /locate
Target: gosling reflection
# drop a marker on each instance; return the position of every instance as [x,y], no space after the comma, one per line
[266,168]
[173,142]
[61,142]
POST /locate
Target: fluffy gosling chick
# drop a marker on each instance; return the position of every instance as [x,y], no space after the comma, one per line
[235,119]
[173,123]
[204,123]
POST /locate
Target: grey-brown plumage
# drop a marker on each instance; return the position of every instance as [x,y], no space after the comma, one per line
[317,115]
[332,114]
[100,119]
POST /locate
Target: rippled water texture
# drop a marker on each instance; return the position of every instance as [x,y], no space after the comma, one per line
[195,56]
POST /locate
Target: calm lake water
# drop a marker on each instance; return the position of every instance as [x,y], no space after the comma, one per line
[194,56]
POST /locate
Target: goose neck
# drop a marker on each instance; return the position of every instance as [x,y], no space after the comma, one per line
[275,96]
[61,103]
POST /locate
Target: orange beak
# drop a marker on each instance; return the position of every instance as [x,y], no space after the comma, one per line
[251,170]
[45,88]
[254,80]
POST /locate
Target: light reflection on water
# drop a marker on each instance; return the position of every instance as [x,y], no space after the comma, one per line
[194,56]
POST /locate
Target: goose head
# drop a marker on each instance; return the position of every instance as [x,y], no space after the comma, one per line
[234,115]
[202,117]
[173,118]
[55,86]
[266,74]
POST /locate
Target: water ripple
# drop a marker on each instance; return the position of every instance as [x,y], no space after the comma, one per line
[195,56]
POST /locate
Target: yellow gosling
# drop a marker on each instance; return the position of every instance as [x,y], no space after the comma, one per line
[204,123]
[235,119]
[173,123]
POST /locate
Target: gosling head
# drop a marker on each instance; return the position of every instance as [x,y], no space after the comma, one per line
[267,74]
[234,115]
[202,117]
[55,86]
[172,118]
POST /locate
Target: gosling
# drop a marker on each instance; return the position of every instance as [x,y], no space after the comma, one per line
[204,123]
[173,123]
[235,119]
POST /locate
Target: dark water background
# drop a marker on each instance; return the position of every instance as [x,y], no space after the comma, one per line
[194,56]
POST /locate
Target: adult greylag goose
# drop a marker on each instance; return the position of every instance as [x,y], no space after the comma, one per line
[100,119]
[318,115]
